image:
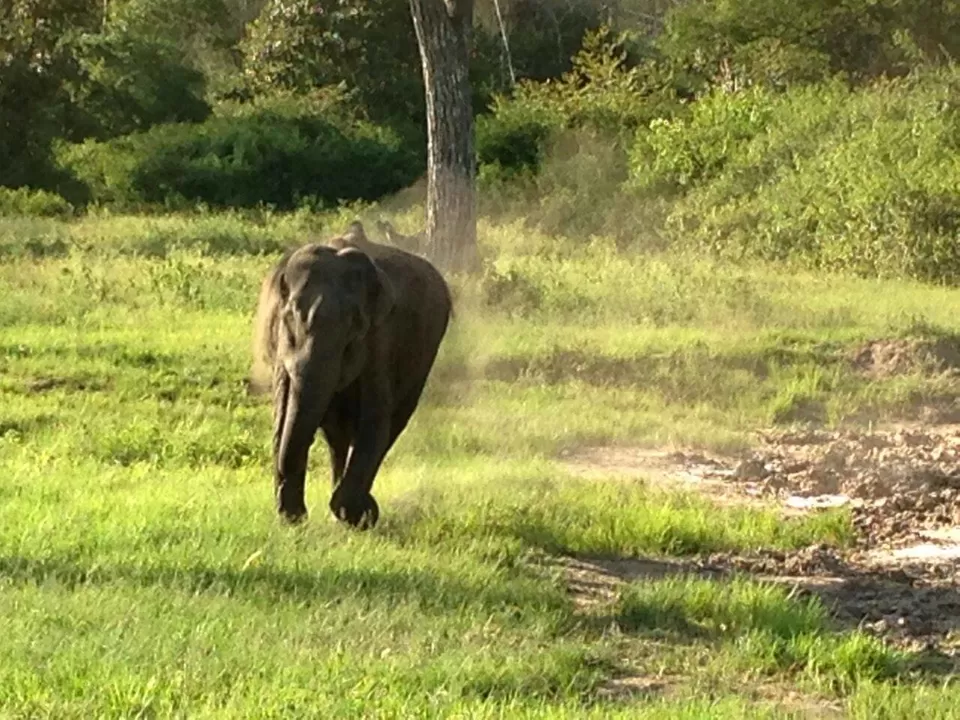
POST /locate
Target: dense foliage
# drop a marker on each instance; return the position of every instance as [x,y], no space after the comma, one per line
[280,153]
[866,180]
[823,132]
[369,45]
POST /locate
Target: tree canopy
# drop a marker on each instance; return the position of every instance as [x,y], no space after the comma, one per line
[87,85]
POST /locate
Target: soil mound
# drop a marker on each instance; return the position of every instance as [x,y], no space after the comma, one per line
[899,481]
[902,356]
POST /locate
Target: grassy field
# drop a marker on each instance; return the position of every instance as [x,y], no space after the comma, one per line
[143,573]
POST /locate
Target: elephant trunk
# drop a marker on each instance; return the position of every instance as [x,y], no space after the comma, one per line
[300,406]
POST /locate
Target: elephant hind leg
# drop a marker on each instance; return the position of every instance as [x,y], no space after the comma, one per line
[404,411]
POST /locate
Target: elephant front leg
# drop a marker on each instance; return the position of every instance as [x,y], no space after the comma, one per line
[293,435]
[289,485]
[352,502]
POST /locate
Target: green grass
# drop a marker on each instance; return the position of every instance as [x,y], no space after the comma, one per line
[142,571]
[759,629]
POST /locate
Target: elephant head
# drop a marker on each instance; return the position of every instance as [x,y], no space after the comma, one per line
[327,309]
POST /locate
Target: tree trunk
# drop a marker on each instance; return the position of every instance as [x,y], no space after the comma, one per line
[443,30]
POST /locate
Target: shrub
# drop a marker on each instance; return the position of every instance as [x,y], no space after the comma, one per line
[778,44]
[856,180]
[672,154]
[605,92]
[510,145]
[279,154]
[130,84]
[562,145]
[369,46]
[38,203]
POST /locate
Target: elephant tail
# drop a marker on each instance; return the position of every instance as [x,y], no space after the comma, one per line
[265,329]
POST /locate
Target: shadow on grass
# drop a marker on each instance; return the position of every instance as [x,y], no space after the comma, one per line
[25,426]
[431,591]
[560,364]
[566,365]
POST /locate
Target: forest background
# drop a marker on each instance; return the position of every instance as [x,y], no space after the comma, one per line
[822,132]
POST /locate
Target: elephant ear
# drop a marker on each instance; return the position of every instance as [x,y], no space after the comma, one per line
[379,290]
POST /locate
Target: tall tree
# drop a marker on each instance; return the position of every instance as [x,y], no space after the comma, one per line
[367,44]
[37,60]
[443,29]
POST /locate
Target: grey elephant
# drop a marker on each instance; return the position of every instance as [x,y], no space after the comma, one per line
[346,335]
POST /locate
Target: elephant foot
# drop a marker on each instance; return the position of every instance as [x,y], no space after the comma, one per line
[291,511]
[359,511]
[293,517]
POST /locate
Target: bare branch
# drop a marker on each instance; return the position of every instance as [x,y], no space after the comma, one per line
[506,43]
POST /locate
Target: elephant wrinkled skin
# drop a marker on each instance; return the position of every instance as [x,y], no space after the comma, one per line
[346,335]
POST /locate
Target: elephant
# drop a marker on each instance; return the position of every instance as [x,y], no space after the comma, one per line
[345,335]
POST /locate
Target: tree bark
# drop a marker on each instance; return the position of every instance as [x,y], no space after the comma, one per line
[443,29]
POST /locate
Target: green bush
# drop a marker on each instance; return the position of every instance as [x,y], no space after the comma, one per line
[37,203]
[778,44]
[130,84]
[556,152]
[672,154]
[856,180]
[511,145]
[275,154]
[370,46]
[606,92]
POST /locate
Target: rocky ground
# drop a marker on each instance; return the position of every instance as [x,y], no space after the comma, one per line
[901,483]
[902,578]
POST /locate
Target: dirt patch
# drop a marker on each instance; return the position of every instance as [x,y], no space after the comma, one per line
[797,704]
[706,474]
[888,358]
[632,687]
[900,581]
[595,582]
[900,482]
[912,607]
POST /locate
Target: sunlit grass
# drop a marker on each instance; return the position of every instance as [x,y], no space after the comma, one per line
[142,569]
[760,629]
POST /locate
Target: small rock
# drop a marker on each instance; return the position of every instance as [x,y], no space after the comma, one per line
[751,469]
[940,453]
